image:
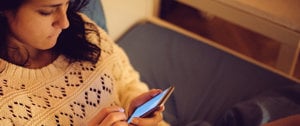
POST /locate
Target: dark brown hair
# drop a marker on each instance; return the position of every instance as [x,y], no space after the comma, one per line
[72,41]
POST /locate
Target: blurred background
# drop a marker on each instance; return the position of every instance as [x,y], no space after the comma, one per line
[247,42]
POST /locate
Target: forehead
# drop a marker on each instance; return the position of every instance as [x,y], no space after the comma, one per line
[46,2]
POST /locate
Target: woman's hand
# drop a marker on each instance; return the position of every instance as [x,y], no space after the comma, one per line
[154,119]
[110,116]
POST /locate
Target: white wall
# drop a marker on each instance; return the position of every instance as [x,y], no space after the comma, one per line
[122,14]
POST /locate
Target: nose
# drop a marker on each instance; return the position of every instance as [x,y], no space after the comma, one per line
[62,20]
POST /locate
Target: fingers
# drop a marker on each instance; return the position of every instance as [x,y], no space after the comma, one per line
[143,98]
[153,121]
[120,123]
[115,118]
[108,116]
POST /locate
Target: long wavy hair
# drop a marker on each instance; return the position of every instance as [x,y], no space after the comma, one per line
[71,43]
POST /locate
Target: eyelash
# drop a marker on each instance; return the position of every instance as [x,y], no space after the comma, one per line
[45,13]
[49,12]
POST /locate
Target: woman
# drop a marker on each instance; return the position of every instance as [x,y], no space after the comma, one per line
[58,68]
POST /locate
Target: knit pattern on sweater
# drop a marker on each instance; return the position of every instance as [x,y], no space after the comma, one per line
[67,94]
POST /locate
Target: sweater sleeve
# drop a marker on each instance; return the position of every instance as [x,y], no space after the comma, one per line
[128,83]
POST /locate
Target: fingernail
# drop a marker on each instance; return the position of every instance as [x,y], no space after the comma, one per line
[135,121]
[122,110]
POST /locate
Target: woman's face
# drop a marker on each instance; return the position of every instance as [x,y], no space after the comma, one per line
[37,23]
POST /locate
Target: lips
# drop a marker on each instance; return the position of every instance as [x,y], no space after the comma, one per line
[55,35]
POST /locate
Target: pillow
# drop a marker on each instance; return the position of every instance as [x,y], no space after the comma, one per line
[94,10]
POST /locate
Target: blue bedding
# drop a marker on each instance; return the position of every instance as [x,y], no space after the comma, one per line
[94,10]
[212,87]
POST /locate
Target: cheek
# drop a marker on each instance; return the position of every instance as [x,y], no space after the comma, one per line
[23,25]
[33,33]
[32,23]
[28,30]
[31,29]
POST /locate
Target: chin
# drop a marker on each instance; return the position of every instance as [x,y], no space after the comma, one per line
[51,46]
[48,45]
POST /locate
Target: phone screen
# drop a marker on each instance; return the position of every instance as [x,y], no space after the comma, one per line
[151,105]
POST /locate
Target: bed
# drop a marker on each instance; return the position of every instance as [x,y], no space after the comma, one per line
[214,86]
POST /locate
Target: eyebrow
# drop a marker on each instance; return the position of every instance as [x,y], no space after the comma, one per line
[56,5]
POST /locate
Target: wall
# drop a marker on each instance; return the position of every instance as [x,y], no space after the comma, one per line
[122,14]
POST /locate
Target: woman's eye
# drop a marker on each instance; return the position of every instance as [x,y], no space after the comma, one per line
[45,13]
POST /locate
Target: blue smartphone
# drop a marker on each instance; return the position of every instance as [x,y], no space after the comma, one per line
[151,105]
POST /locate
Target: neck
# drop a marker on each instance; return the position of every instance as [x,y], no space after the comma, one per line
[27,56]
[40,59]
[30,58]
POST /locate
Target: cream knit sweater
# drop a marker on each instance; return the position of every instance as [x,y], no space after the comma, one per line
[67,94]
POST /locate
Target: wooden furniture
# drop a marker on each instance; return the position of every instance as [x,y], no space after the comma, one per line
[277,19]
[125,12]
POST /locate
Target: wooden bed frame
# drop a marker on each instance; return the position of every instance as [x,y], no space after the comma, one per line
[122,15]
[262,22]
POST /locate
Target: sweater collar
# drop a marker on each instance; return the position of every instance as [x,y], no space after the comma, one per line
[58,66]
